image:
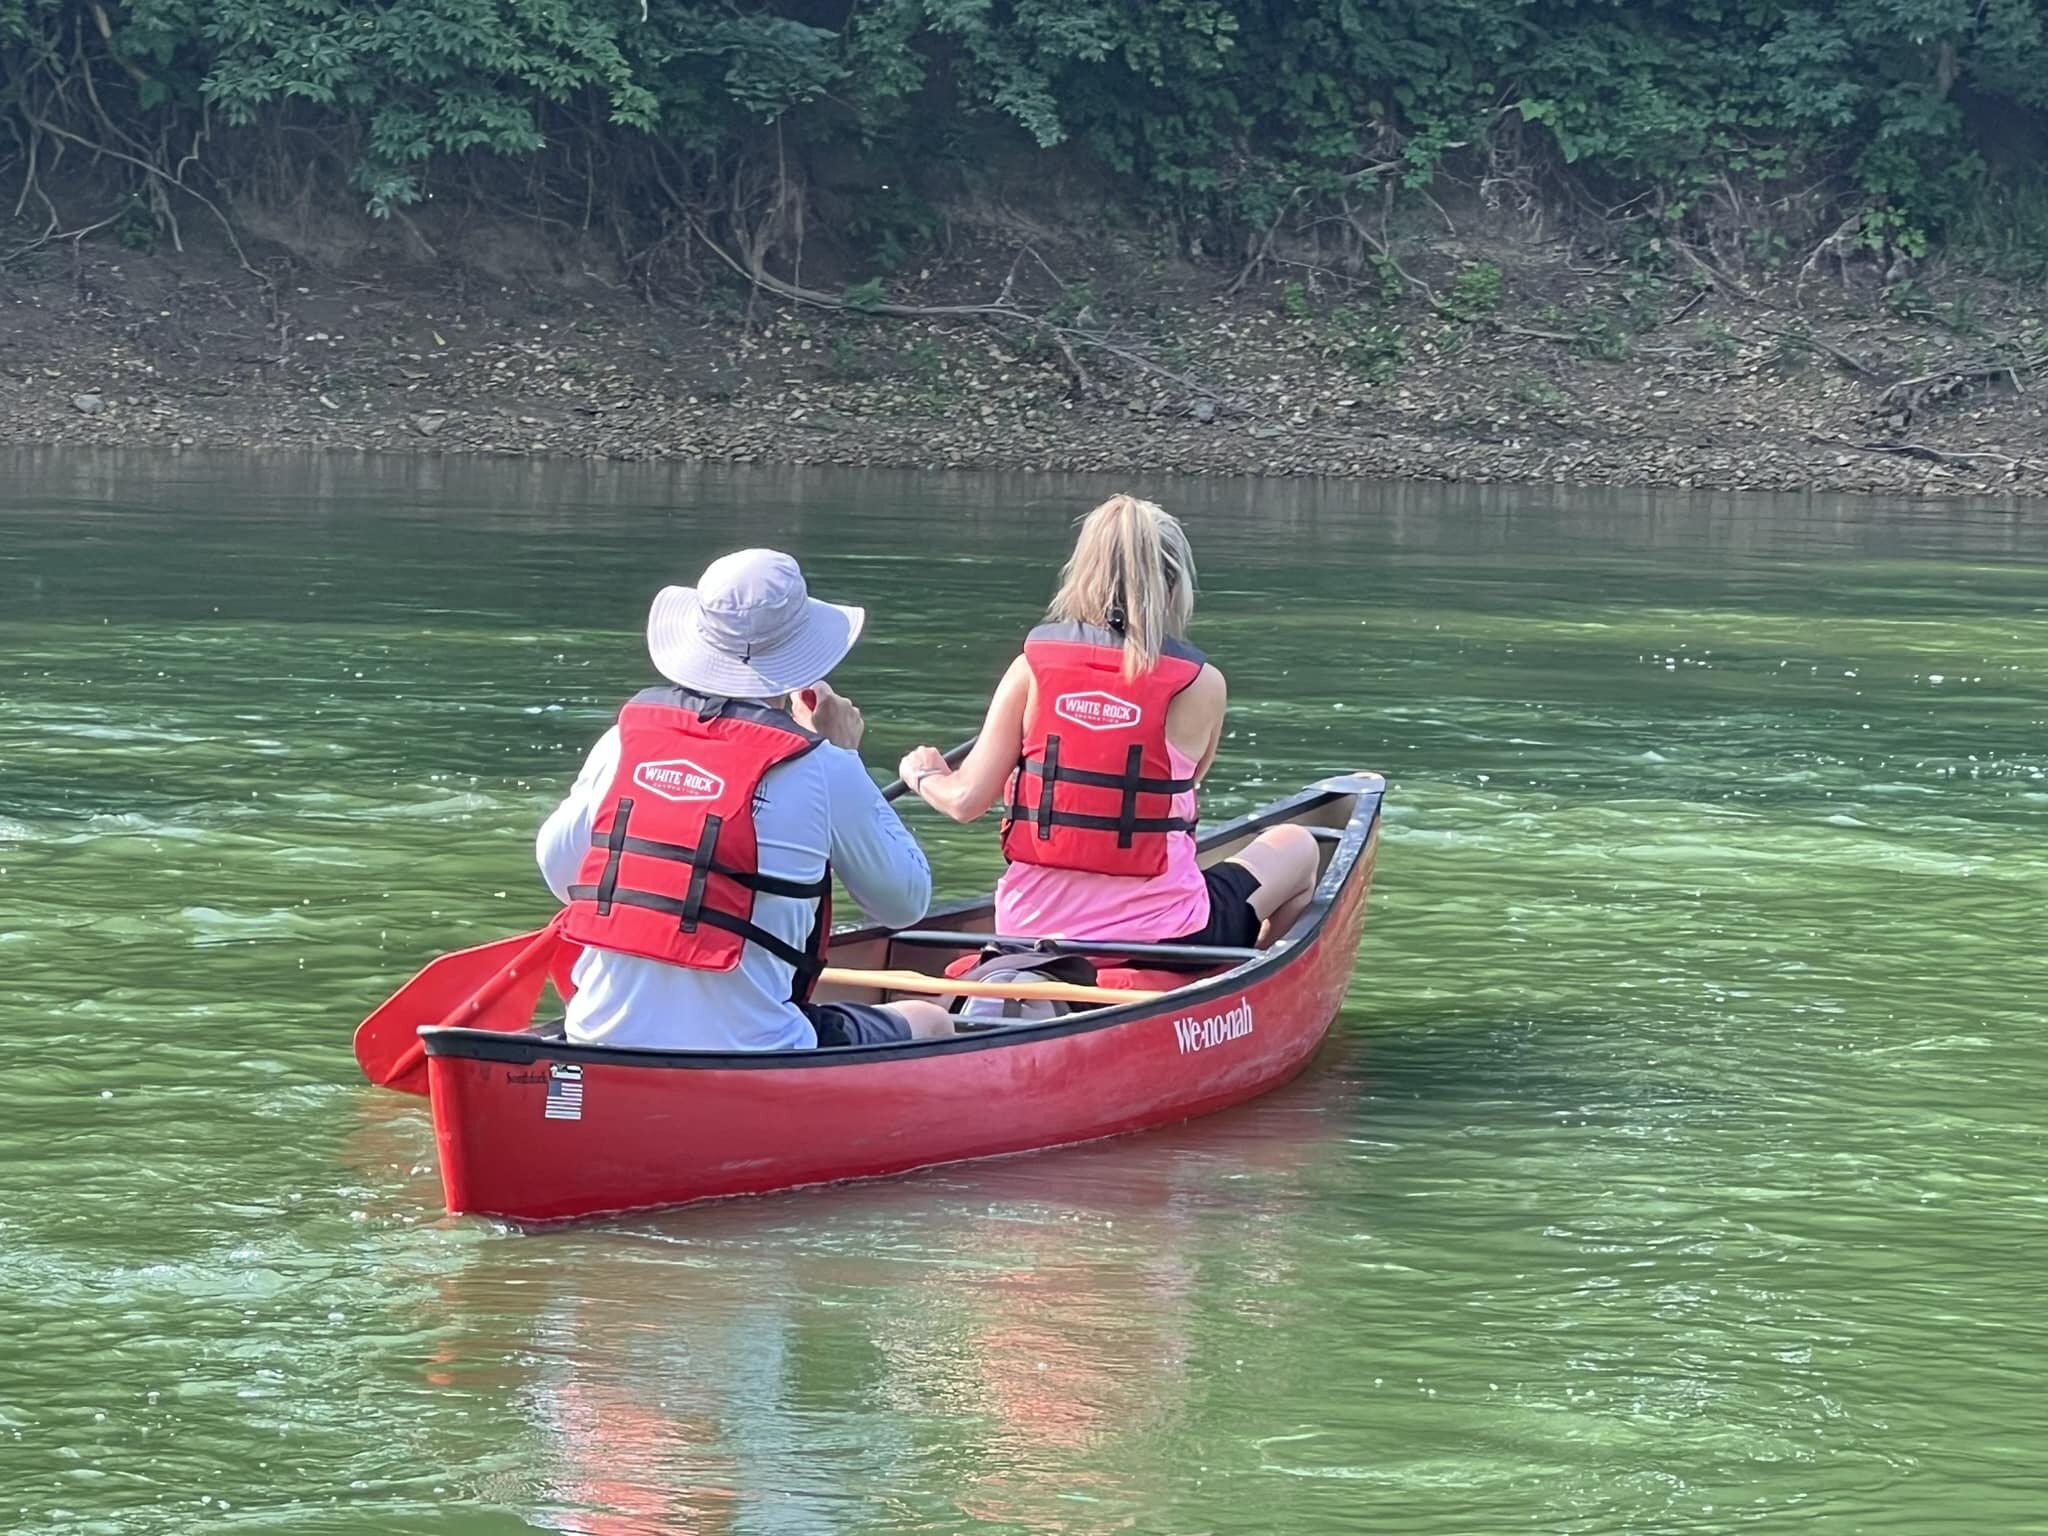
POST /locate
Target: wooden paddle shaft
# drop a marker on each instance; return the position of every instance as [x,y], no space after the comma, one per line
[955,986]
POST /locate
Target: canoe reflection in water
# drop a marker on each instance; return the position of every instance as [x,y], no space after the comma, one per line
[790,1366]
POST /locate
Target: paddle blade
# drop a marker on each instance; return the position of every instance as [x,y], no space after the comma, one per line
[493,986]
[563,968]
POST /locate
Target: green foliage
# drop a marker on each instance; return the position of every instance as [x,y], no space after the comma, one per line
[893,224]
[1643,297]
[1391,286]
[847,362]
[868,295]
[2006,231]
[1079,304]
[135,224]
[1643,247]
[1475,293]
[1907,300]
[1717,338]
[1605,337]
[424,78]
[1215,112]
[924,365]
[1367,345]
[1768,247]
[1535,391]
[925,362]
[1964,315]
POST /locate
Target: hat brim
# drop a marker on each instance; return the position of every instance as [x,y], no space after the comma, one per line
[676,644]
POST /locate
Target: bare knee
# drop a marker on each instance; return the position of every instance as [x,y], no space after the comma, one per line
[1286,861]
[1297,845]
[927,1021]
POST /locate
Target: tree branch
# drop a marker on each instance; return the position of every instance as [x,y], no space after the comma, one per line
[1924,451]
[158,175]
[1853,364]
[1064,336]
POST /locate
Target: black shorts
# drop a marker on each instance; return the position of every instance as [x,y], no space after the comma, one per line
[1231,918]
[856,1024]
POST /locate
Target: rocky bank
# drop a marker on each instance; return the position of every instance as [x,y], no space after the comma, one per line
[1491,364]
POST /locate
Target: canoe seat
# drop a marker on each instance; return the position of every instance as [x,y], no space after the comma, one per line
[1128,978]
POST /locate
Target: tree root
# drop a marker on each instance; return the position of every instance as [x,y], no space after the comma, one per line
[160,180]
[1064,337]
[1265,248]
[1841,245]
[1720,277]
[52,235]
[1849,361]
[1699,297]
[1928,453]
[1907,397]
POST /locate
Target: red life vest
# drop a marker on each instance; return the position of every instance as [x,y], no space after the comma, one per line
[1094,789]
[674,866]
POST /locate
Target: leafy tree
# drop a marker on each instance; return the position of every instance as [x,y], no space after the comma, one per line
[1228,110]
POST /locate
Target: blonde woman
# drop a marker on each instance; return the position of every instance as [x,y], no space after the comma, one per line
[1102,731]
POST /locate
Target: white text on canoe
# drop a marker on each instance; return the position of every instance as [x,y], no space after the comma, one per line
[1200,1034]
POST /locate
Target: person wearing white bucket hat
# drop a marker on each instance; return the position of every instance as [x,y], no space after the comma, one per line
[696,850]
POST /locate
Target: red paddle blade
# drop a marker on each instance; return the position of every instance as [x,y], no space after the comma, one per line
[562,971]
[493,986]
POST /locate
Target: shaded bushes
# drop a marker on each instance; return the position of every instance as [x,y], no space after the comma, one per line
[1222,113]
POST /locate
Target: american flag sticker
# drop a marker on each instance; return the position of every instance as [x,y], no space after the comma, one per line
[565,1093]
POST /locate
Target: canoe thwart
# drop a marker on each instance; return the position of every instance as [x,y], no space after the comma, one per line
[1164,956]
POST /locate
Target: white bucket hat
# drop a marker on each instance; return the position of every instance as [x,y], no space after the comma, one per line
[749,629]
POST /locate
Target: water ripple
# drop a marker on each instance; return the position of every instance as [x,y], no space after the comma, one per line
[1675,1168]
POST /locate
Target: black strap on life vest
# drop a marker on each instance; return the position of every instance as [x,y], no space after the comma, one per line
[1132,782]
[1048,775]
[614,844]
[753,933]
[689,910]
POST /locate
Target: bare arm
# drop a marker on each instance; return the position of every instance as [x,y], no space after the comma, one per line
[969,790]
[1209,694]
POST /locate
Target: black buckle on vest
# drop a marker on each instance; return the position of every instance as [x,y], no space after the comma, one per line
[615,845]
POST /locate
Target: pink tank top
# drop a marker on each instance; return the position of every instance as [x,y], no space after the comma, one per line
[1033,901]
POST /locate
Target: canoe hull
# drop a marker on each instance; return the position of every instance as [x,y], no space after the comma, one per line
[534,1131]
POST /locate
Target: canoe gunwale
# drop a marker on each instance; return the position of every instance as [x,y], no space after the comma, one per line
[1296,945]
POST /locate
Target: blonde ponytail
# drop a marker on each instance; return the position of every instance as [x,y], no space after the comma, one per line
[1131,570]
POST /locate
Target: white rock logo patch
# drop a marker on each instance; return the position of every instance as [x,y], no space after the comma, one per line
[1097,711]
[679,779]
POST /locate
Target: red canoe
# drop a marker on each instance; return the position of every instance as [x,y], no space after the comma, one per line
[534,1129]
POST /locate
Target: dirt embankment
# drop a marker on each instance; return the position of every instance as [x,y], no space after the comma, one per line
[1484,361]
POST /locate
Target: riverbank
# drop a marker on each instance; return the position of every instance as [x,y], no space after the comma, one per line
[1502,362]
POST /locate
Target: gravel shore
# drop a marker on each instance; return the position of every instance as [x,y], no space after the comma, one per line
[119,349]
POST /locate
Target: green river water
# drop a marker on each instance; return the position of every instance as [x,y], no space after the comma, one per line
[1677,1164]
